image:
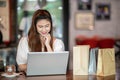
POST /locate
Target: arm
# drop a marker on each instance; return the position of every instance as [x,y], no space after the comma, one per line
[49,49]
[22,51]
[47,43]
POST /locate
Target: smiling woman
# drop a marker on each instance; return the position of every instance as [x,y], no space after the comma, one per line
[43,27]
[40,38]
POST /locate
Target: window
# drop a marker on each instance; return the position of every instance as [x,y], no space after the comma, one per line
[53,6]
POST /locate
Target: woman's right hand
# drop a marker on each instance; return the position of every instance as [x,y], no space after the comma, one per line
[23,67]
[47,39]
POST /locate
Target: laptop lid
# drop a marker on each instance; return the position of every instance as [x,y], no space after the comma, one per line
[47,63]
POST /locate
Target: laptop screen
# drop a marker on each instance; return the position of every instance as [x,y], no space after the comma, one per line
[47,63]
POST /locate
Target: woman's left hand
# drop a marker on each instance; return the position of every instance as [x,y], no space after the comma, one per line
[47,39]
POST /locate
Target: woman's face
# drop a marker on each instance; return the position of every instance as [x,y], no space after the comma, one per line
[43,27]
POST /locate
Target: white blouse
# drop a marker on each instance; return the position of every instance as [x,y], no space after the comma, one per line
[23,49]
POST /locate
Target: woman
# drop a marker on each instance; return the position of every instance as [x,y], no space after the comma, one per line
[40,38]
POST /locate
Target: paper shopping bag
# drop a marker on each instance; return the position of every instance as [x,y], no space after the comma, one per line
[93,61]
[80,59]
[106,62]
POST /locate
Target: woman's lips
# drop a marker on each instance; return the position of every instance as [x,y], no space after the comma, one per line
[44,33]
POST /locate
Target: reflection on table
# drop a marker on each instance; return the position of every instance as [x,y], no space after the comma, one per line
[112,77]
[8,56]
[68,76]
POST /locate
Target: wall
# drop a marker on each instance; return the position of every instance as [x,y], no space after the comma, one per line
[110,28]
[8,14]
[4,14]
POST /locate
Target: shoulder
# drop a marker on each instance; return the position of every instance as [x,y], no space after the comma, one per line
[23,43]
[24,39]
[58,45]
[57,41]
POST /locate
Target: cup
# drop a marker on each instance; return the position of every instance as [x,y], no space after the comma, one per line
[10,69]
[1,66]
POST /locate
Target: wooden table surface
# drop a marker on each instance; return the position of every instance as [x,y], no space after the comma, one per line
[68,76]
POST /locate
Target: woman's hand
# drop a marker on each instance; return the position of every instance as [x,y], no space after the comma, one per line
[23,67]
[47,40]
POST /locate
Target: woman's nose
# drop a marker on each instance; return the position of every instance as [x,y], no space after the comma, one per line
[44,29]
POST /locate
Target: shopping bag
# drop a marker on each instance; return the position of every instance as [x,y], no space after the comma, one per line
[93,61]
[106,62]
[80,59]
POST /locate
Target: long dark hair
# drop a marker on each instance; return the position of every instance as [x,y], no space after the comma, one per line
[34,41]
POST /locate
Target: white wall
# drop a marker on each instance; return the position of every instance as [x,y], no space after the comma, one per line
[109,28]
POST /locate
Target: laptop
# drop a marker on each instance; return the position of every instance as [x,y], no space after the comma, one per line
[47,63]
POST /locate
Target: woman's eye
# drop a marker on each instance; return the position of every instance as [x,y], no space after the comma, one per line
[46,26]
[40,26]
